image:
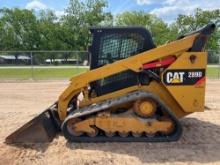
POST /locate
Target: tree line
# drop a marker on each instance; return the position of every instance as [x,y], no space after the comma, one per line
[22,29]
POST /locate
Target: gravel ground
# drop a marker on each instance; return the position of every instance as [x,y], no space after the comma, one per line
[21,101]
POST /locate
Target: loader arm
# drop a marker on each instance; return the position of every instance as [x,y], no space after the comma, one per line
[135,63]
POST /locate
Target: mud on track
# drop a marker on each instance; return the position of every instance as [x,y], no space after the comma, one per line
[21,101]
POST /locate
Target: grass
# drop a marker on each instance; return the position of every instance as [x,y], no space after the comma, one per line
[213,72]
[62,73]
[40,73]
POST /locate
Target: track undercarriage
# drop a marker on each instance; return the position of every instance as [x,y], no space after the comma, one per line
[145,118]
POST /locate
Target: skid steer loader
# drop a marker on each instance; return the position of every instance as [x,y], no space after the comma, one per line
[134,91]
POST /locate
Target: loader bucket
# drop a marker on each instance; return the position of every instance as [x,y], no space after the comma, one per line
[41,129]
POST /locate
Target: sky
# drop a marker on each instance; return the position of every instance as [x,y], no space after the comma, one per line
[168,10]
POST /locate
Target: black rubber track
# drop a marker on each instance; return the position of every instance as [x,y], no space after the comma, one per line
[174,136]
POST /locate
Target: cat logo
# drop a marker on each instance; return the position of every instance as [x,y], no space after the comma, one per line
[183,76]
[174,77]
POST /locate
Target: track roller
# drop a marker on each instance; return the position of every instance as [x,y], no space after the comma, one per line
[123,134]
[110,134]
[71,127]
[94,133]
[136,134]
[145,107]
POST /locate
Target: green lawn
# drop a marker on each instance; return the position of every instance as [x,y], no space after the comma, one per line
[213,72]
[62,73]
[40,73]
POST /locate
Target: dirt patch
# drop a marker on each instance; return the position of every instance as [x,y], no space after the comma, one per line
[200,143]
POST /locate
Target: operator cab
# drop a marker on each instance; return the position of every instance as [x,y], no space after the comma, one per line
[113,44]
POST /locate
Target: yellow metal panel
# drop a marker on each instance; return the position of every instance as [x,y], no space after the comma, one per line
[126,124]
[190,97]
[122,124]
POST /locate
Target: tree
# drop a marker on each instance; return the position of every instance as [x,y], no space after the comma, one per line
[159,30]
[80,16]
[188,23]
[20,29]
[134,18]
[50,32]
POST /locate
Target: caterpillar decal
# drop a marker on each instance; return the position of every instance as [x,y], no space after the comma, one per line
[183,76]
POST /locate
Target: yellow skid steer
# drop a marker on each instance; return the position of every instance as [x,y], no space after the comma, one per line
[134,91]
